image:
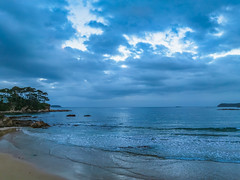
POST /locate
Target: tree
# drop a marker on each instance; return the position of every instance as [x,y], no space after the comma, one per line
[27,98]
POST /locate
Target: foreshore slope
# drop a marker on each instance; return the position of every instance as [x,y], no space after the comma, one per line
[6,130]
[15,169]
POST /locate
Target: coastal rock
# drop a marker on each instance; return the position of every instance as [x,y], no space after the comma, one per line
[87,115]
[17,117]
[15,123]
[19,123]
[71,115]
[9,122]
[39,124]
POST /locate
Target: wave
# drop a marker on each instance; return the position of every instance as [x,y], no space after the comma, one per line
[224,129]
[128,150]
[207,135]
[147,151]
[209,129]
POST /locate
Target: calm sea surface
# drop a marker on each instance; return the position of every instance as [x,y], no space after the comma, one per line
[193,133]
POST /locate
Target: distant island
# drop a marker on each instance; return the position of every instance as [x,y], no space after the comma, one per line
[25,99]
[229,105]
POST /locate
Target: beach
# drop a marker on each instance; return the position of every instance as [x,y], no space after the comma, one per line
[131,143]
[100,165]
[120,89]
[6,130]
[14,169]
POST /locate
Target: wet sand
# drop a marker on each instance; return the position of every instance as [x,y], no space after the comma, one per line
[15,169]
[7,130]
[75,163]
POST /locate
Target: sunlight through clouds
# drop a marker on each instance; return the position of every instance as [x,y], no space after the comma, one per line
[232,52]
[124,66]
[124,54]
[175,42]
[46,83]
[80,16]
[220,19]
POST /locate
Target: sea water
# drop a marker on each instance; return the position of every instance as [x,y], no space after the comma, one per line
[118,137]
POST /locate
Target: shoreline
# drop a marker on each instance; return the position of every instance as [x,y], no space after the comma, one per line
[12,121]
[92,163]
[40,148]
[6,130]
[15,169]
[35,111]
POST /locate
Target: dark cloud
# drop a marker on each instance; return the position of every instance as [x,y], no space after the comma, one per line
[32,34]
[107,43]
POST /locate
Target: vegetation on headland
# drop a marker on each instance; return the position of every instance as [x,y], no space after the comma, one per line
[23,99]
[229,105]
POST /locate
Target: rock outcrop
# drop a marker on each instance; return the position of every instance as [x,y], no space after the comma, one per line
[87,115]
[11,122]
[39,124]
[71,115]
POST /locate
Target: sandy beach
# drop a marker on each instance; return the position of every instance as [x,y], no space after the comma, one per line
[99,148]
[14,169]
[93,164]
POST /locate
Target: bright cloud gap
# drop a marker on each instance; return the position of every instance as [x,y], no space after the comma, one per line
[235,52]
[80,15]
[174,41]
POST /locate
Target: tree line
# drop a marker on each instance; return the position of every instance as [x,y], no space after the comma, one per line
[26,98]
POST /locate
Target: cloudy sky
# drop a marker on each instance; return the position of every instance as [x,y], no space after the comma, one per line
[123,52]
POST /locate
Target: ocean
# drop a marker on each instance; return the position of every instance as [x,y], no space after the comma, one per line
[125,143]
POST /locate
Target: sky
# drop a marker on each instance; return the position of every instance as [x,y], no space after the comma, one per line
[103,53]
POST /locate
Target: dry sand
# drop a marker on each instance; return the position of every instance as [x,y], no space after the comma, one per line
[15,169]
